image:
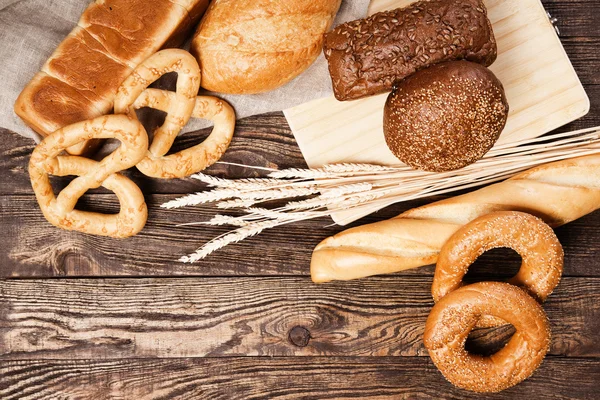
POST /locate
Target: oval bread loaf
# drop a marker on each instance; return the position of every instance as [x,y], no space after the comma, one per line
[247,46]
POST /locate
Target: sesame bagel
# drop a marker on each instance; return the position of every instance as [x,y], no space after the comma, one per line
[451,320]
[529,236]
[445,117]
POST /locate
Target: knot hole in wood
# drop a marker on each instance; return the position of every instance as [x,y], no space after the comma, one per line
[299,336]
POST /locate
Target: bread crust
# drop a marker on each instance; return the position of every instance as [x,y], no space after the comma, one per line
[529,236]
[451,320]
[366,57]
[247,47]
[445,117]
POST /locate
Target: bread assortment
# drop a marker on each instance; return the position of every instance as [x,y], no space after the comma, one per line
[368,56]
[135,149]
[247,47]
[446,111]
[558,193]
[80,79]
[445,117]
[459,309]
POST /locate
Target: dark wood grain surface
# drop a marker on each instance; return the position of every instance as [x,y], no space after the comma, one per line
[84,317]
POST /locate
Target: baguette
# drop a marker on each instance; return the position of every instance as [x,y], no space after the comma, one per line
[558,193]
[80,79]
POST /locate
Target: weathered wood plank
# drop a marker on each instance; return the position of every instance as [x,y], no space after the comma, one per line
[277,378]
[195,317]
[33,247]
[583,52]
[575,17]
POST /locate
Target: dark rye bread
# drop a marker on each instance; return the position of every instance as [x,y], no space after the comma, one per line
[367,56]
[446,116]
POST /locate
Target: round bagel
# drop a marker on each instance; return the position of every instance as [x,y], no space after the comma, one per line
[451,320]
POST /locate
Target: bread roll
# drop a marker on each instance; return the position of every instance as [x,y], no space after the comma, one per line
[80,79]
[367,56]
[445,117]
[558,193]
[247,46]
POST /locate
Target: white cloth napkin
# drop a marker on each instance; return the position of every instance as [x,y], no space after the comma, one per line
[30,30]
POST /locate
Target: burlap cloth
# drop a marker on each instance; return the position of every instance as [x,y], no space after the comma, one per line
[30,30]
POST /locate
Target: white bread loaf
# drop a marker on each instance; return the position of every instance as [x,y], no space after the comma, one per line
[253,46]
[558,193]
[80,79]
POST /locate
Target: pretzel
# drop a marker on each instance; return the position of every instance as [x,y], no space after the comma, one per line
[179,106]
[529,236]
[60,210]
[451,320]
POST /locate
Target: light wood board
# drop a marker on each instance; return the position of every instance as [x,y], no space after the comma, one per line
[541,85]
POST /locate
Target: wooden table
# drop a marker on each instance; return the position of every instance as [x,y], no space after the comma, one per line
[90,317]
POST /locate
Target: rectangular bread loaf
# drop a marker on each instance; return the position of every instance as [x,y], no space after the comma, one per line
[80,79]
[367,56]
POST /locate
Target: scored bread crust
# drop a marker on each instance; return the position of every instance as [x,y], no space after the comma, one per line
[557,193]
[247,47]
[80,79]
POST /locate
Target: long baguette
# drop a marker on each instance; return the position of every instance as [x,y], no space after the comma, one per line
[558,193]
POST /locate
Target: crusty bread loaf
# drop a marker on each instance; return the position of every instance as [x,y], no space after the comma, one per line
[445,117]
[558,193]
[248,46]
[80,79]
[368,56]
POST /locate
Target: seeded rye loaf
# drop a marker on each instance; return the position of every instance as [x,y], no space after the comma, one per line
[367,56]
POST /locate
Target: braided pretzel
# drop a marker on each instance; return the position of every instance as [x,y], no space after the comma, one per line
[60,210]
[179,106]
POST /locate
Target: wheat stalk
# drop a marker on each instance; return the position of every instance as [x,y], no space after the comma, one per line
[220,219]
[228,238]
[345,189]
[279,214]
[318,192]
[236,203]
[201,197]
[244,184]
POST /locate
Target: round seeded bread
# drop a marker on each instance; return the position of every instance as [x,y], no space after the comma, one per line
[445,117]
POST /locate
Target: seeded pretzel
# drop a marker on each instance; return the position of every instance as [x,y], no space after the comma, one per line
[179,106]
[60,210]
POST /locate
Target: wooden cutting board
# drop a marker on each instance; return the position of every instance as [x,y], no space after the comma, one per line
[541,85]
